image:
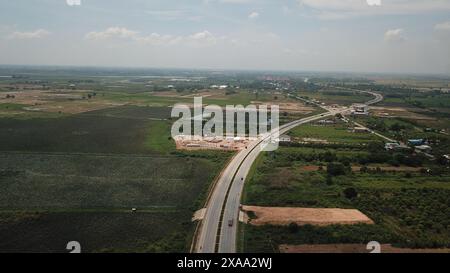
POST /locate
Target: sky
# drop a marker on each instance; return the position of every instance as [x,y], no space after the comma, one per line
[385,36]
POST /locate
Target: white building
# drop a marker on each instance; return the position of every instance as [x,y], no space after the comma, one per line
[285,138]
[424,148]
[360,109]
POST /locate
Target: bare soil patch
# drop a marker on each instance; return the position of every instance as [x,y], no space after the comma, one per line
[199,215]
[191,143]
[207,93]
[290,107]
[398,112]
[50,101]
[304,216]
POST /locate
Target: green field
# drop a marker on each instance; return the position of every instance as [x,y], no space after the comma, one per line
[409,209]
[336,96]
[96,231]
[241,97]
[334,134]
[116,131]
[404,129]
[33,181]
[77,178]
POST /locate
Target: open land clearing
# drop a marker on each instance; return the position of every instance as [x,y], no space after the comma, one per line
[399,112]
[192,143]
[305,216]
[67,102]
[290,107]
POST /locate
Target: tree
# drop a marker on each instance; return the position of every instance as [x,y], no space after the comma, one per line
[329,180]
[442,160]
[336,169]
[293,227]
[364,169]
[329,156]
[396,127]
[374,147]
[350,193]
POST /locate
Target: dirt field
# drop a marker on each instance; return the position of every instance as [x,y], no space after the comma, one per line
[352,248]
[290,107]
[304,216]
[54,102]
[398,112]
[211,143]
[199,215]
[206,94]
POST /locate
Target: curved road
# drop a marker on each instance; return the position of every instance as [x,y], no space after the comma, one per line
[215,234]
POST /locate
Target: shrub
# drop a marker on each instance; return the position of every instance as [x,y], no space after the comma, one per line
[293,227]
[336,169]
[350,193]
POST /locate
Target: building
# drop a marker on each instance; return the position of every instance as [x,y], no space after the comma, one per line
[193,145]
[415,142]
[326,121]
[424,148]
[360,130]
[391,146]
[360,109]
[285,138]
[446,159]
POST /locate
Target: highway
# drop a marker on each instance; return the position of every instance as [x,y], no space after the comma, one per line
[215,233]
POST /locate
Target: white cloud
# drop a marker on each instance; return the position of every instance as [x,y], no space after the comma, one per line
[394,35]
[442,26]
[236,1]
[253,15]
[156,39]
[112,32]
[204,38]
[286,10]
[199,39]
[37,34]
[374,2]
[340,9]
